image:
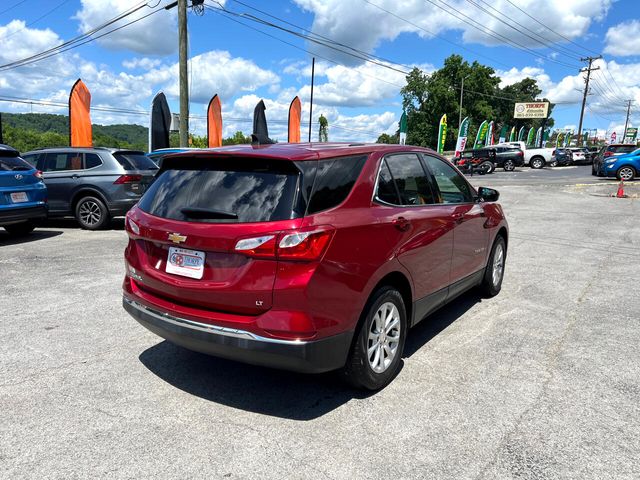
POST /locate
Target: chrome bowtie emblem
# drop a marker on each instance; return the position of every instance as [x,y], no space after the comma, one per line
[177,238]
[18,176]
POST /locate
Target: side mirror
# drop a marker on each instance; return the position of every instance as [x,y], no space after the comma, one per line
[486,194]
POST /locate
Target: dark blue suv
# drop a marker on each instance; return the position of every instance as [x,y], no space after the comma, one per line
[23,195]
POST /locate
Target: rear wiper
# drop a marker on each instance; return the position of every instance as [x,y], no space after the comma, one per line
[194,212]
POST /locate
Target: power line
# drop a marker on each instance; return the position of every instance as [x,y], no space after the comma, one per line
[492,33]
[550,29]
[37,19]
[310,52]
[79,40]
[436,35]
[14,6]
[589,69]
[537,38]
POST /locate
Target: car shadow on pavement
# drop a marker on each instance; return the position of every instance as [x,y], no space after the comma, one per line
[251,388]
[70,222]
[6,239]
[435,323]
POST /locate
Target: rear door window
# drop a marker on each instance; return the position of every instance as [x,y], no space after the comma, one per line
[333,182]
[58,162]
[453,187]
[408,178]
[226,190]
[135,161]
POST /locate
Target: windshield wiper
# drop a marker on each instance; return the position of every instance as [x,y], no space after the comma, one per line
[194,212]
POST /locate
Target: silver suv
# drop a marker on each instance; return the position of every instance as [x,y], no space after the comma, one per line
[92,184]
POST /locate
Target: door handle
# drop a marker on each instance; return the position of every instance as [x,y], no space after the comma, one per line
[75,177]
[401,224]
[458,217]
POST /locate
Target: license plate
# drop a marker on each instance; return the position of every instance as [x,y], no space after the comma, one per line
[19,197]
[188,263]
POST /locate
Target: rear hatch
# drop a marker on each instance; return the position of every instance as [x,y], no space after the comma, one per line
[197,211]
[17,179]
[140,170]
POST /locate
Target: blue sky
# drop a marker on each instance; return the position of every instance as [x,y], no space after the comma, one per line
[361,100]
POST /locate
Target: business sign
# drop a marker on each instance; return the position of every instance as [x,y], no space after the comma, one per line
[531,110]
[613,137]
[631,134]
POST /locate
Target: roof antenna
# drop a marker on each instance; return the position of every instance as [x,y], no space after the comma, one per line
[260,135]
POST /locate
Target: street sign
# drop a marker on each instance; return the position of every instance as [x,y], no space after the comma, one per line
[613,137]
[531,110]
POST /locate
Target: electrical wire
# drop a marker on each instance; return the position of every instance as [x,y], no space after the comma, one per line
[14,6]
[27,25]
[80,39]
[550,29]
[492,33]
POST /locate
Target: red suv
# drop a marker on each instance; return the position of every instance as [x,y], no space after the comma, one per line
[308,257]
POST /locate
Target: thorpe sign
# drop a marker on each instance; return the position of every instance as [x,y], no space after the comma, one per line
[531,110]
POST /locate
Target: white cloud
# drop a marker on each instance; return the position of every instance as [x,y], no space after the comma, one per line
[623,39]
[141,63]
[216,72]
[366,26]
[154,35]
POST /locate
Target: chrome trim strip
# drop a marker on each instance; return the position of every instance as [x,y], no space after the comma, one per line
[205,327]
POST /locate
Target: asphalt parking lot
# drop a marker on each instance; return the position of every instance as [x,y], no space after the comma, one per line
[542,381]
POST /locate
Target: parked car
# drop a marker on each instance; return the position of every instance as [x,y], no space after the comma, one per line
[23,194]
[597,167]
[534,157]
[508,157]
[579,155]
[561,157]
[92,184]
[308,258]
[624,167]
[477,161]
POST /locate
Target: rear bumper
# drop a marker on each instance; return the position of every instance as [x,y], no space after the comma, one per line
[17,215]
[119,208]
[314,356]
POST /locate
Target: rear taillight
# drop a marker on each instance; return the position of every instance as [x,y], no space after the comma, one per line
[263,246]
[292,245]
[122,179]
[608,154]
[553,153]
[521,153]
[38,174]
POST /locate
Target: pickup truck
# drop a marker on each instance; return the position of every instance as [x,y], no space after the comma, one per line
[534,157]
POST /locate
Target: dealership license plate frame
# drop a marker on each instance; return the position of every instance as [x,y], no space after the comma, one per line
[185,262]
[19,197]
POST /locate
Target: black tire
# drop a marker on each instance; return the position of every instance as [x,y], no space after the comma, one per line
[536,162]
[509,166]
[491,285]
[358,371]
[626,173]
[19,229]
[554,163]
[92,213]
[488,167]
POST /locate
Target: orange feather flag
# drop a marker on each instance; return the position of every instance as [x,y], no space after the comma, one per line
[295,111]
[214,122]
[80,134]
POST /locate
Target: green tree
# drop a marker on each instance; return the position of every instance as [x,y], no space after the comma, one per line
[389,139]
[323,133]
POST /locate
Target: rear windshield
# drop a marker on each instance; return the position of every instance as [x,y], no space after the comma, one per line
[135,161]
[13,164]
[226,190]
[249,189]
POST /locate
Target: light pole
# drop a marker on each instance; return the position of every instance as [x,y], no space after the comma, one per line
[461,93]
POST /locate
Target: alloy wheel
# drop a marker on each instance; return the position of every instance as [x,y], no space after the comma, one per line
[90,213]
[498,265]
[626,173]
[384,337]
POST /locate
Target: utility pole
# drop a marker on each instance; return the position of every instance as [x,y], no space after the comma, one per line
[589,69]
[626,122]
[184,80]
[313,74]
